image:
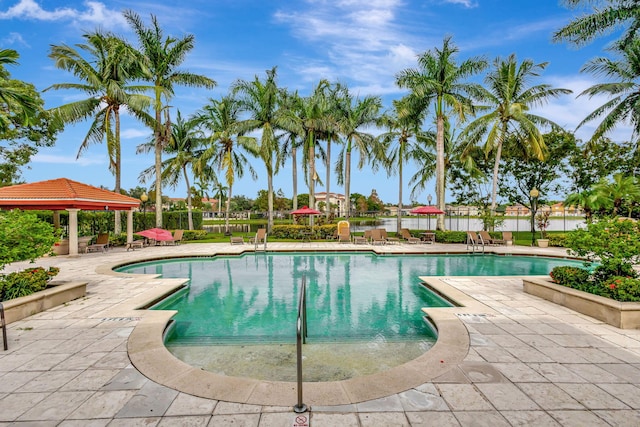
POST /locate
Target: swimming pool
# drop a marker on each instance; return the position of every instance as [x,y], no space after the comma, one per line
[239,308]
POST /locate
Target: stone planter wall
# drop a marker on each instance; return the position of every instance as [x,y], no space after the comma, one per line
[624,315]
[19,308]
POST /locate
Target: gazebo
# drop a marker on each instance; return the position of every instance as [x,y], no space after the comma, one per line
[64,194]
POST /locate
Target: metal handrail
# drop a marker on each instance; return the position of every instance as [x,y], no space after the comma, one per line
[301,338]
[4,327]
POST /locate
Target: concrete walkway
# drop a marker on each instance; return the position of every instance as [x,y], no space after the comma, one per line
[530,362]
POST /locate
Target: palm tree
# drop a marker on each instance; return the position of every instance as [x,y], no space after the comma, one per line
[220,118]
[508,98]
[260,100]
[585,200]
[105,76]
[441,80]
[623,190]
[293,136]
[624,92]
[602,21]
[160,62]
[13,100]
[185,146]
[404,141]
[353,115]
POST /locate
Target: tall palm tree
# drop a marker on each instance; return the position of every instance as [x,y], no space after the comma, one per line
[160,62]
[292,136]
[607,16]
[441,80]
[586,200]
[508,98]
[184,149]
[624,92]
[220,119]
[404,141]
[259,98]
[105,76]
[355,114]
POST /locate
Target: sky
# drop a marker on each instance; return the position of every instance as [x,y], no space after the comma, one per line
[360,43]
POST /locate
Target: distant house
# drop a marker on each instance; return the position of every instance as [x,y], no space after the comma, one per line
[517,210]
[334,199]
[462,210]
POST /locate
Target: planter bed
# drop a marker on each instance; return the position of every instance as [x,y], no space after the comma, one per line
[19,308]
[624,315]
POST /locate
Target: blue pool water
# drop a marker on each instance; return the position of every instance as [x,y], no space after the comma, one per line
[351,296]
[237,316]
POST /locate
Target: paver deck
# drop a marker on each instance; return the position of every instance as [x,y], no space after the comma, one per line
[530,362]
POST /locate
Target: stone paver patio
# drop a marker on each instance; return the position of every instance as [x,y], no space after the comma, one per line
[529,362]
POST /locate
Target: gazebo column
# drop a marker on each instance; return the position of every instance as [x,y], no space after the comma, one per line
[56,219]
[130,226]
[73,231]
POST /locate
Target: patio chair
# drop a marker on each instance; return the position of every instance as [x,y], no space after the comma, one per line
[376,237]
[177,238]
[260,237]
[101,244]
[360,240]
[236,240]
[390,240]
[406,235]
[507,237]
[488,240]
[344,236]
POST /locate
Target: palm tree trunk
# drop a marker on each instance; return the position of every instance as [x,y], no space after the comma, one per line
[328,206]
[294,171]
[226,215]
[494,184]
[269,201]
[399,223]
[117,169]
[158,156]
[189,213]
[347,181]
[312,174]
[440,171]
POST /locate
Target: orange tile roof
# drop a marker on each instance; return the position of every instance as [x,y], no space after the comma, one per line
[63,193]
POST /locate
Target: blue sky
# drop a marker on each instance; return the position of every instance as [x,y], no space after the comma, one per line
[362,43]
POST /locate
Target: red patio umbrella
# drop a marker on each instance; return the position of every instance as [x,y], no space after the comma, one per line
[305,210]
[157,234]
[426,210]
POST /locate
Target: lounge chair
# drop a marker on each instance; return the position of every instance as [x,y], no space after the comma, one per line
[390,240]
[488,240]
[367,235]
[260,237]
[344,236]
[507,237]
[101,244]
[360,240]
[376,237]
[177,237]
[136,244]
[406,235]
[474,240]
[237,240]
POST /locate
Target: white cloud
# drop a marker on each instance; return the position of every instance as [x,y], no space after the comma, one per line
[62,160]
[14,38]
[94,12]
[466,3]
[135,133]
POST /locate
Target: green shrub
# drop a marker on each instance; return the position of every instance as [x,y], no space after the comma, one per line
[558,240]
[325,231]
[451,236]
[26,282]
[619,288]
[573,277]
[194,235]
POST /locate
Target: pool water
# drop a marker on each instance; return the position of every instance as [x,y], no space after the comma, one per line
[240,308]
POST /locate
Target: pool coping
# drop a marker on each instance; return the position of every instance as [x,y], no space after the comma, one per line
[149,355]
